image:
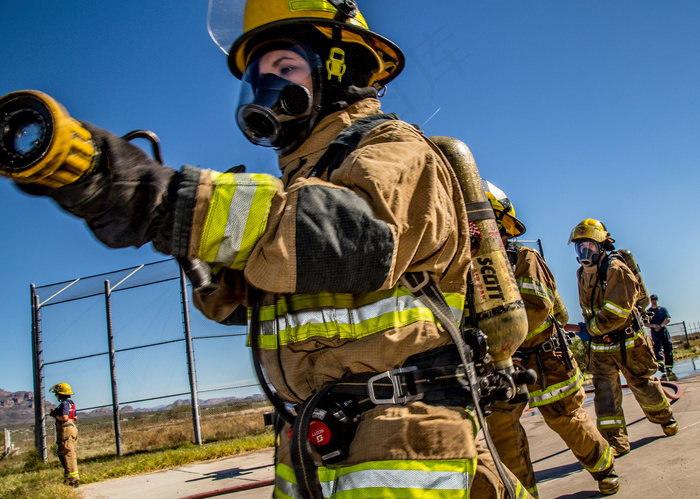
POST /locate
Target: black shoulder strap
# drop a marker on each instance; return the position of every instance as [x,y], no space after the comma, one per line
[605,264]
[347,141]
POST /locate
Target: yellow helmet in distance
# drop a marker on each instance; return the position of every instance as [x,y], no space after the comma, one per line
[590,228]
[507,222]
[333,18]
[61,389]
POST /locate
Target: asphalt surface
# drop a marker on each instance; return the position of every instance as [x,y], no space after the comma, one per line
[657,467]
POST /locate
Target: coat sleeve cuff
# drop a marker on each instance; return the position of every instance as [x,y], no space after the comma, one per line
[184,210]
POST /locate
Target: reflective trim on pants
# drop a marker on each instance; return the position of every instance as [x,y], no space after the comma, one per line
[611,422]
[605,461]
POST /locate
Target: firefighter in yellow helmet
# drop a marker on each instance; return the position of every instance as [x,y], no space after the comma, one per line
[616,337]
[66,433]
[315,257]
[558,393]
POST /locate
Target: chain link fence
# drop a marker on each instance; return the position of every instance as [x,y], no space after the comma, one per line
[146,373]
[682,334]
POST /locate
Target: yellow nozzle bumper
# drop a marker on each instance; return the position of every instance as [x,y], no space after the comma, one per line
[40,143]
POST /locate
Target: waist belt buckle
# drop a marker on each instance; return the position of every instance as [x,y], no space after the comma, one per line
[547,346]
[398,397]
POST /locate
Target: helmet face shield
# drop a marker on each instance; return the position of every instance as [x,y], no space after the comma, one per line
[280,91]
[587,252]
[508,225]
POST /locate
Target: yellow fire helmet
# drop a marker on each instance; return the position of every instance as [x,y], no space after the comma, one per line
[508,224]
[592,229]
[227,17]
[61,389]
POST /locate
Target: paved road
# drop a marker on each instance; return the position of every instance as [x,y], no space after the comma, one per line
[657,467]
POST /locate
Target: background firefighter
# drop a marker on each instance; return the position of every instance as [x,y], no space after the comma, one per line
[326,245]
[617,340]
[558,393]
[66,433]
[663,347]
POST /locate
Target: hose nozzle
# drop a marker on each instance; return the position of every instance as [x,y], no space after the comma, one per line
[40,143]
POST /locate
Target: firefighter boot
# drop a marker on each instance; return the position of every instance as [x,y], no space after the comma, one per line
[670,427]
[609,484]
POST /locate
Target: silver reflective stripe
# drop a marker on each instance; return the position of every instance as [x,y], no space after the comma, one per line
[235,226]
[604,462]
[349,315]
[388,479]
[611,422]
[327,316]
[288,488]
[616,309]
[401,479]
[615,347]
[576,382]
[536,288]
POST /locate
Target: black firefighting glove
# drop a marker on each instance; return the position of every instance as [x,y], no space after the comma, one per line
[130,198]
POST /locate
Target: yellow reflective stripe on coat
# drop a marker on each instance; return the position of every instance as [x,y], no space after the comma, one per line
[557,392]
[532,287]
[605,461]
[543,327]
[429,479]
[615,347]
[237,217]
[297,318]
[616,309]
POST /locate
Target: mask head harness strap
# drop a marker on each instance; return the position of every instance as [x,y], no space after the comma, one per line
[346,9]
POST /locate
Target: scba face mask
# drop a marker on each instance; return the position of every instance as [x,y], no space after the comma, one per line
[587,252]
[280,96]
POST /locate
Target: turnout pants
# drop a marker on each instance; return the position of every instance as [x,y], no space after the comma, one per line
[67,439]
[560,403]
[414,450]
[605,363]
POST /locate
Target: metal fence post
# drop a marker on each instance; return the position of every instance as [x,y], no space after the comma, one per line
[38,365]
[112,370]
[687,340]
[190,359]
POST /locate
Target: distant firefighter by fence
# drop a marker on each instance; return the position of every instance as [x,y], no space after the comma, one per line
[128,339]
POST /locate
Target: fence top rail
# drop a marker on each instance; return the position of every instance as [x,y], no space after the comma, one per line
[128,278]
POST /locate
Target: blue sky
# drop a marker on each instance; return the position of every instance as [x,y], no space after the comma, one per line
[575,109]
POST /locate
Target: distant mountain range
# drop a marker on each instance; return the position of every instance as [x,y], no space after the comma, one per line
[18,407]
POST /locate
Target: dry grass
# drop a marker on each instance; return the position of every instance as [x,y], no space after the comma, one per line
[150,442]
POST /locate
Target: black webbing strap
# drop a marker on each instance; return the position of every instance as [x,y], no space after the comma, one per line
[400,386]
[347,141]
[623,348]
[537,352]
[563,343]
[277,403]
[305,469]
[479,210]
[540,366]
[423,287]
